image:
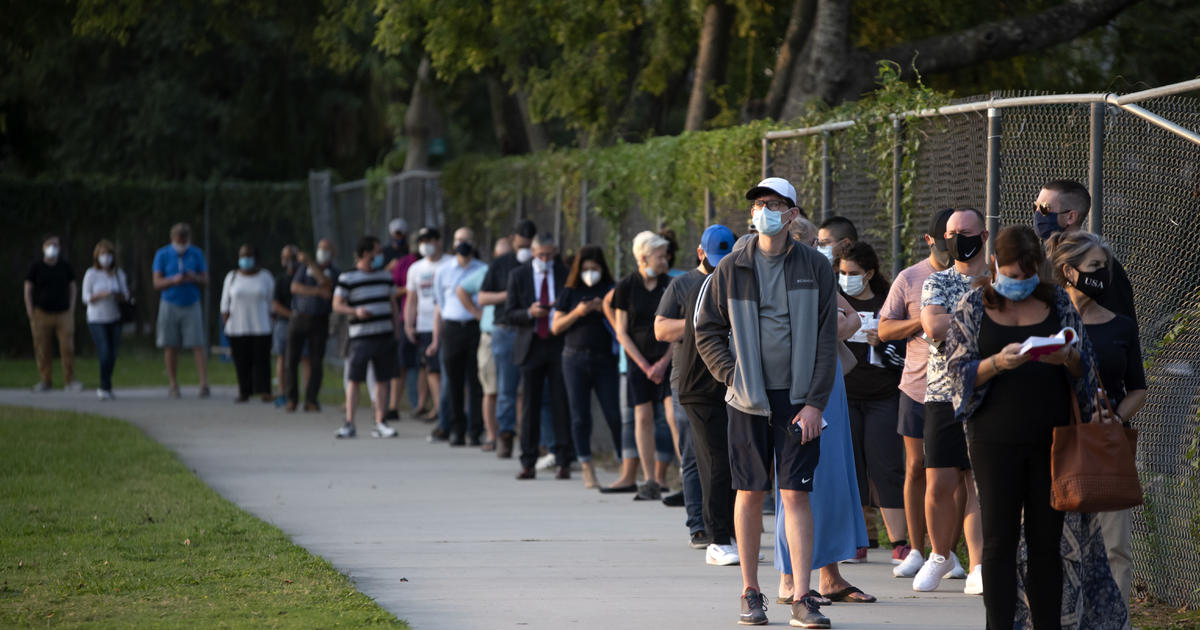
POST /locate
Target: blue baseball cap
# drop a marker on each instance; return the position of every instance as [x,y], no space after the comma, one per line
[716,241]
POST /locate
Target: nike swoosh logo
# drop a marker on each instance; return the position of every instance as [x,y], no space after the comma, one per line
[806,480]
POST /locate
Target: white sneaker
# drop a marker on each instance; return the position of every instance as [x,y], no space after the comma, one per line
[73,386]
[545,462]
[931,573]
[911,564]
[975,581]
[40,387]
[103,394]
[382,430]
[957,572]
[722,555]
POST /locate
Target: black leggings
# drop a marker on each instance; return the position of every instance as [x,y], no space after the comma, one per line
[252,362]
[1013,478]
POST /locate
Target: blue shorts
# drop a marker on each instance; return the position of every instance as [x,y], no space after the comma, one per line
[911,421]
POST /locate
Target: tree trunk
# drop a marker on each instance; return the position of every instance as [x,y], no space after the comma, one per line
[420,119]
[535,132]
[799,25]
[710,61]
[825,65]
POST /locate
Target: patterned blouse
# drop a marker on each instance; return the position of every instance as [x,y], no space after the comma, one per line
[943,288]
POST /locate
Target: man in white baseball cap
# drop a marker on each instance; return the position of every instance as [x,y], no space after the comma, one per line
[398,248]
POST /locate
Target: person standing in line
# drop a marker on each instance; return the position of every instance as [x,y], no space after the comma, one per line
[947,464]
[1082,265]
[635,300]
[494,292]
[589,362]
[467,292]
[900,320]
[364,293]
[281,315]
[308,331]
[1010,405]
[246,317]
[767,329]
[180,271]
[833,233]
[531,292]
[104,289]
[704,426]
[398,247]
[50,306]
[418,315]
[398,259]
[871,391]
[459,328]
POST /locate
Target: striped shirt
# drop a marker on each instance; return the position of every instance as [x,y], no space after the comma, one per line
[371,290]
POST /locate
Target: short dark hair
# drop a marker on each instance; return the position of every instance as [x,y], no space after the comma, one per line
[526,229]
[365,244]
[251,247]
[1073,195]
[672,244]
[841,228]
[937,223]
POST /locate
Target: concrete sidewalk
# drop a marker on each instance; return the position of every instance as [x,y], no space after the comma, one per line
[446,538]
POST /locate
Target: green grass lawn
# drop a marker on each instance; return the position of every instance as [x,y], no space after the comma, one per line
[101,526]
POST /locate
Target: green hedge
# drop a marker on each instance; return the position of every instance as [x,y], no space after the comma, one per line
[137,217]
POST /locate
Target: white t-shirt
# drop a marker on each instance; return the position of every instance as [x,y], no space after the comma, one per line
[247,301]
[420,283]
[96,281]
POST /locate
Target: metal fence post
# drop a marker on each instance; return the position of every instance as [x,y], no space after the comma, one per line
[766,158]
[898,260]
[992,209]
[558,194]
[709,203]
[208,322]
[826,177]
[1096,169]
[583,215]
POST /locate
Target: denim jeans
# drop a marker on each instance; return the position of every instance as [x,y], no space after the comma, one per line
[107,338]
[663,450]
[508,379]
[583,373]
[693,492]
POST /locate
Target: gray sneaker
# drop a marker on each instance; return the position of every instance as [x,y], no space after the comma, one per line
[650,491]
[754,609]
[41,387]
[807,614]
[347,431]
[73,386]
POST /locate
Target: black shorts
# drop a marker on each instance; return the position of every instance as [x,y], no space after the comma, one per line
[640,389]
[756,442]
[379,351]
[433,364]
[911,418]
[945,441]
[406,354]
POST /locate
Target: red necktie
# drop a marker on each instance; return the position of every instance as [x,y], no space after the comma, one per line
[543,323]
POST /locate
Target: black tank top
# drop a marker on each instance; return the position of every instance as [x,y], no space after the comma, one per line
[1023,405]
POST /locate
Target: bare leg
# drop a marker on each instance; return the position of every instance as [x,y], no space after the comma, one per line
[351,400]
[201,364]
[643,418]
[669,411]
[747,517]
[893,521]
[972,525]
[941,509]
[381,397]
[281,375]
[660,471]
[785,585]
[489,417]
[422,389]
[434,380]
[797,518]
[914,491]
[628,477]
[171,358]
[397,387]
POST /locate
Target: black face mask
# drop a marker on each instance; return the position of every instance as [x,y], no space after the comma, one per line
[1092,283]
[463,249]
[964,248]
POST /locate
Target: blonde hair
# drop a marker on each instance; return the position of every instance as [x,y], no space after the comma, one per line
[103,245]
[1070,248]
[803,230]
[646,242]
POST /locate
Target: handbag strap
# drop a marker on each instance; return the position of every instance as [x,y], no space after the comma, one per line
[1102,401]
[1074,404]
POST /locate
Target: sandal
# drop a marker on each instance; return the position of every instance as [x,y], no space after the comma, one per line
[851,594]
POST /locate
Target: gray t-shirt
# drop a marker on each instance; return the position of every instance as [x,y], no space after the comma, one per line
[774,327]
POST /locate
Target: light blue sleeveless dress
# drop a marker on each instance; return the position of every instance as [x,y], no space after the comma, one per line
[838,527]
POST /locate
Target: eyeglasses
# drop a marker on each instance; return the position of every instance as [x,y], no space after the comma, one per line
[775,205]
[1043,209]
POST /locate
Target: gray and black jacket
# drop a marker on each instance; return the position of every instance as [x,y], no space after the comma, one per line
[727,333]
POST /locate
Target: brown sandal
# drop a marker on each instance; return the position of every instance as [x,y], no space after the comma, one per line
[851,594]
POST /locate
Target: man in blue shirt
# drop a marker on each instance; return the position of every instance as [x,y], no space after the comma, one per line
[179,272]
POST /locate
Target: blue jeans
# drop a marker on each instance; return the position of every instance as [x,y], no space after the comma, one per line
[663,451]
[693,493]
[583,373]
[107,338]
[508,378]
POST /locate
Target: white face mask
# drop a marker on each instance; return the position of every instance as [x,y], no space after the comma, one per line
[524,254]
[426,249]
[540,265]
[180,248]
[590,277]
[826,251]
[105,260]
[50,251]
[323,256]
[852,285]
[649,271]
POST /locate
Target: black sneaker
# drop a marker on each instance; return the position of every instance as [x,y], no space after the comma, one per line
[673,500]
[392,414]
[700,540]
[807,614]
[438,435]
[754,609]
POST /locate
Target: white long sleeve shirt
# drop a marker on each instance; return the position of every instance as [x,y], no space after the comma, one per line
[95,281]
[246,299]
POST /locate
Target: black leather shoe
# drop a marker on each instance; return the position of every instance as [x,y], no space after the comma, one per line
[506,446]
[526,473]
[564,472]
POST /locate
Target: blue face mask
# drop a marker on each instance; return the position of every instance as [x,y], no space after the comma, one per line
[377,261]
[1046,224]
[767,222]
[246,263]
[1015,290]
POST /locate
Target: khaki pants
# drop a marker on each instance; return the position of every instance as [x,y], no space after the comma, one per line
[47,326]
[1117,528]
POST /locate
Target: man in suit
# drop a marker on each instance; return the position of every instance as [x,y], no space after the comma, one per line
[532,289]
